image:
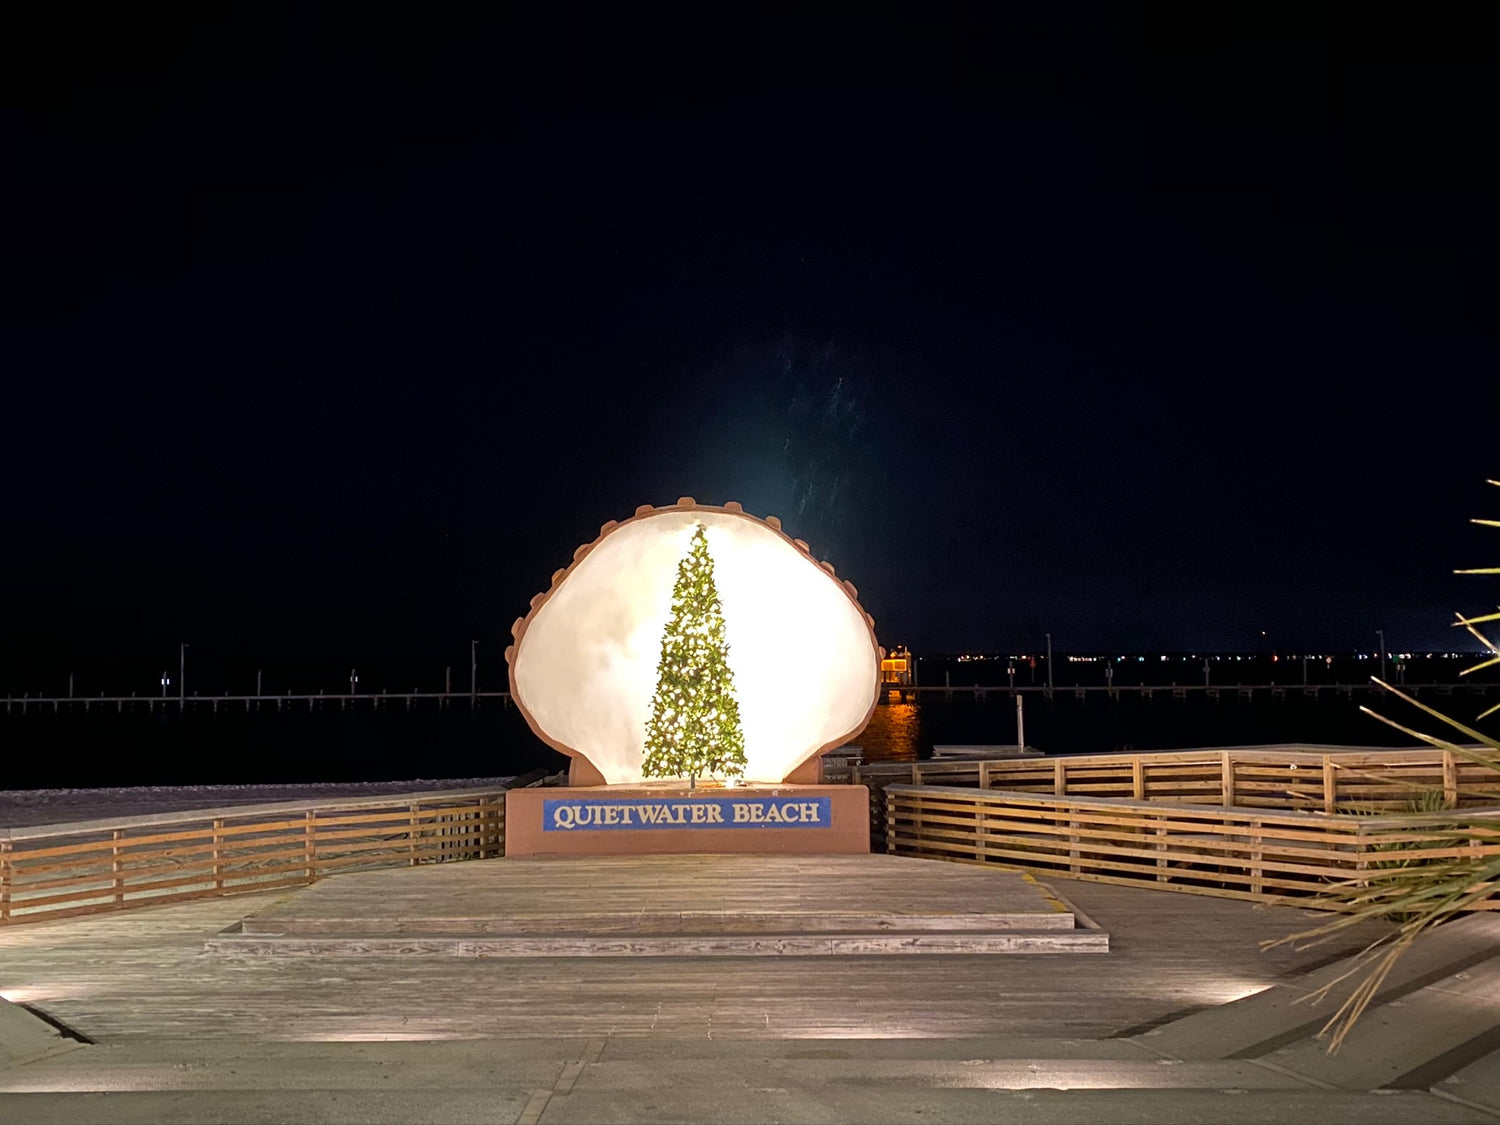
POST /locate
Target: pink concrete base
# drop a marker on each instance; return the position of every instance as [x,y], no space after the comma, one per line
[671,820]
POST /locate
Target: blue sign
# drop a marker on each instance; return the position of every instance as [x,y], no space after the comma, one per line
[665,813]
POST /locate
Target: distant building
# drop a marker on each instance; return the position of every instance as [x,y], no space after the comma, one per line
[899,668]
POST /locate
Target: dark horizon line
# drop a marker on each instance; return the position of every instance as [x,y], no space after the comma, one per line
[1184,653]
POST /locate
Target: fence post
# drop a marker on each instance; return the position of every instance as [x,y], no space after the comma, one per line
[1161,846]
[116,871]
[1330,785]
[481,821]
[984,775]
[5,881]
[1226,778]
[1450,781]
[411,836]
[916,773]
[1073,855]
[1059,778]
[890,820]
[981,815]
[1257,857]
[1138,778]
[309,846]
[218,855]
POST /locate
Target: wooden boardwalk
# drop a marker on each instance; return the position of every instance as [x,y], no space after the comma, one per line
[670,906]
[145,974]
[656,892]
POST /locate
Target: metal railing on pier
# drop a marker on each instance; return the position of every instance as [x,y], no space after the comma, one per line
[410,700]
[310,701]
[1173,691]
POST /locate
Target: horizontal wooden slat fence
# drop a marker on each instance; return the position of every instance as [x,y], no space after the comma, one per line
[1264,855]
[1297,777]
[62,870]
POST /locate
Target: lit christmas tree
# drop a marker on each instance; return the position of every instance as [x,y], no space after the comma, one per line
[695,719]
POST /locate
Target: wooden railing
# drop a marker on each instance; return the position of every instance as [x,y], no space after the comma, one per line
[1264,855]
[1293,777]
[1290,777]
[61,870]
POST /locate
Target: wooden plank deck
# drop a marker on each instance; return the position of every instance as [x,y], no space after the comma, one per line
[144,974]
[668,893]
[671,906]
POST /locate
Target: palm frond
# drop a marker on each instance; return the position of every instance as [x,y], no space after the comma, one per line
[1418,881]
[1462,620]
[1473,734]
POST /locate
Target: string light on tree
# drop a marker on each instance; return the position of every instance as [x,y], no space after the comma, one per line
[694,727]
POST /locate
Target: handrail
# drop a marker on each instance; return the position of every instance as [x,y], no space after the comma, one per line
[217,812]
[1293,776]
[1211,812]
[1259,854]
[84,867]
[1270,754]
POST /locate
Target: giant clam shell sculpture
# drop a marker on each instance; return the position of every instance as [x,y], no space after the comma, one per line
[805,660]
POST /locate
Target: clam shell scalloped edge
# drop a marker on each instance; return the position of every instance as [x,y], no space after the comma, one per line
[647,511]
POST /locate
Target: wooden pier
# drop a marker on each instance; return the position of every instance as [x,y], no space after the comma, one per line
[306,701]
[890,693]
[893,693]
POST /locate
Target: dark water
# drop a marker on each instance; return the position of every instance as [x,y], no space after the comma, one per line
[1099,724]
[101,748]
[88,750]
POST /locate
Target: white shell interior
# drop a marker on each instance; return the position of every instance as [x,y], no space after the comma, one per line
[805,661]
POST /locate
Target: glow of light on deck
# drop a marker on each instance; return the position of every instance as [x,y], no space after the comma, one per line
[38,993]
[379,1035]
[1228,991]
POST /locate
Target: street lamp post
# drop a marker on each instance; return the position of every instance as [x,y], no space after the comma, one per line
[1381,634]
[473,670]
[182,675]
[1049,661]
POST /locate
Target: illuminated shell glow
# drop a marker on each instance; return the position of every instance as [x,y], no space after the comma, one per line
[806,663]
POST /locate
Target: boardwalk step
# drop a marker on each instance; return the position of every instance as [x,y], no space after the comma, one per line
[1415,1039]
[26,1035]
[739,922]
[1279,1017]
[1082,940]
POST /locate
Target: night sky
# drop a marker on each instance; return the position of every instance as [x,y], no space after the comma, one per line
[334,332]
